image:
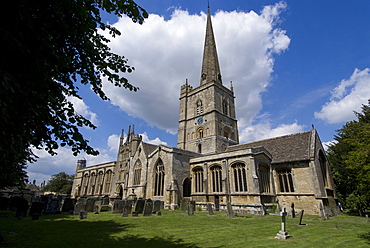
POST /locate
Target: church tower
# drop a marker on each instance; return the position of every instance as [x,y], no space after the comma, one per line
[207,122]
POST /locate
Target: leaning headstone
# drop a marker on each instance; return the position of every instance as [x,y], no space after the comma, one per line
[90,202]
[209,208]
[127,207]
[117,207]
[300,218]
[36,208]
[80,206]
[292,211]
[148,208]
[283,234]
[157,206]
[68,204]
[139,206]
[230,212]
[190,210]
[184,204]
[322,212]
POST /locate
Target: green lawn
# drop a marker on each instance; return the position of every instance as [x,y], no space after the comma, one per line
[176,229]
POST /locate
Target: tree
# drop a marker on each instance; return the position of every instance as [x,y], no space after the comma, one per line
[48,48]
[60,183]
[350,161]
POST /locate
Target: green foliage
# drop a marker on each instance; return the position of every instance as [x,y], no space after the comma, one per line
[48,48]
[350,161]
[60,183]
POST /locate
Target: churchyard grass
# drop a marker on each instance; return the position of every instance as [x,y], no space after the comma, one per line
[177,229]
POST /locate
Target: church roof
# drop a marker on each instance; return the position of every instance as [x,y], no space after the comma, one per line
[289,148]
[148,148]
[210,66]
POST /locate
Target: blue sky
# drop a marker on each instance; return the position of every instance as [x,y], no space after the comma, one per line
[292,64]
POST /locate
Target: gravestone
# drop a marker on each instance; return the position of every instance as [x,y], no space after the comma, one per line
[45,200]
[139,206]
[159,213]
[292,211]
[263,210]
[230,212]
[97,206]
[184,204]
[105,200]
[300,218]
[53,207]
[127,207]
[135,214]
[148,208]
[80,206]
[83,215]
[117,207]
[90,203]
[194,204]
[36,208]
[105,208]
[283,234]
[277,207]
[35,216]
[20,205]
[68,204]
[4,203]
[157,206]
[190,210]
[210,208]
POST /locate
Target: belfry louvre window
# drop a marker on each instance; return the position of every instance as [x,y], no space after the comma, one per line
[199,107]
[198,178]
[216,172]
[240,178]
[285,180]
[159,179]
[225,107]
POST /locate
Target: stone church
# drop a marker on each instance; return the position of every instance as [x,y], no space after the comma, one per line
[209,165]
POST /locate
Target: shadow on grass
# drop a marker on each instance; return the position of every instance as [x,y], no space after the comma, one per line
[63,232]
[365,236]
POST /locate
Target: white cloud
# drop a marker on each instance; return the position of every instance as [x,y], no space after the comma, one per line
[347,97]
[82,109]
[157,141]
[265,131]
[166,52]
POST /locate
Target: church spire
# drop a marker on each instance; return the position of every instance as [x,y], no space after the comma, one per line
[210,66]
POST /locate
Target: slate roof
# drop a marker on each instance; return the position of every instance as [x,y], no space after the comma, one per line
[294,147]
[149,148]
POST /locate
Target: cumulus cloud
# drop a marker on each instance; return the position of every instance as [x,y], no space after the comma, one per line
[82,109]
[347,97]
[167,52]
[265,131]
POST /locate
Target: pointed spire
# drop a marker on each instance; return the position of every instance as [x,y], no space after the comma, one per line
[210,66]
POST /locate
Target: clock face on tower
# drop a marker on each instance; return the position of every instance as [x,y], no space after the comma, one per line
[200,120]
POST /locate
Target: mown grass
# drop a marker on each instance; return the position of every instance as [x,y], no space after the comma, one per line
[176,229]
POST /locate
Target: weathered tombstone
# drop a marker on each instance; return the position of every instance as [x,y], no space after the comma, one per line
[194,204]
[45,200]
[283,234]
[159,213]
[53,207]
[277,207]
[97,206]
[139,206]
[162,205]
[300,218]
[229,209]
[90,202]
[83,215]
[292,211]
[127,207]
[135,214]
[184,204]
[322,212]
[105,200]
[117,207]
[68,204]
[190,210]
[148,208]
[21,206]
[157,206]
[4,203]
[80,206]
[210,208]
[105,208]
[36,208]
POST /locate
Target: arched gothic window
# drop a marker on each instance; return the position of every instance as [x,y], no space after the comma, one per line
[92,183]
[322,161]
[225,107]
[200,133]
[99,183]
[85,184]
[285,179]
[198,178]
[199,107]
[108,181]
[264,178]
[137,172]
[216,172]
[159,179]
[240,178]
